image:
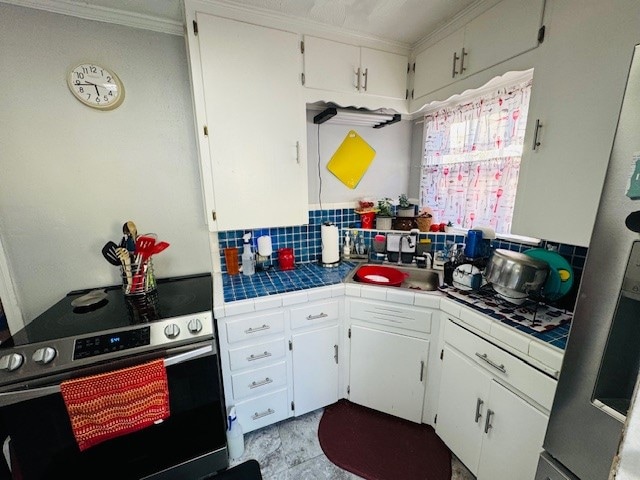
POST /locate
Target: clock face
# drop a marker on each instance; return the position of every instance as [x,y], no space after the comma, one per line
[96,86]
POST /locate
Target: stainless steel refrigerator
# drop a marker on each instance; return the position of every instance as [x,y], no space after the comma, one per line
[602,358]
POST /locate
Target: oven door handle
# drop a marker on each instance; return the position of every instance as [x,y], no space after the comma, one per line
[9,398]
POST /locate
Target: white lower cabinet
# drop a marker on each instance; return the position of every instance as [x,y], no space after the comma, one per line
[315,368]
[388,372]
[495,432]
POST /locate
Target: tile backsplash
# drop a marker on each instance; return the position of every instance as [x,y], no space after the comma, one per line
[305,239]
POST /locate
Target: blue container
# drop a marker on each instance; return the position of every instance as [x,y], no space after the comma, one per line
[473,247]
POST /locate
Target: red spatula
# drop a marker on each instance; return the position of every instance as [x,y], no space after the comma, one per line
[144,250]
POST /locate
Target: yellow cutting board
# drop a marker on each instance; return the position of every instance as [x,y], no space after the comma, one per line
[351,160]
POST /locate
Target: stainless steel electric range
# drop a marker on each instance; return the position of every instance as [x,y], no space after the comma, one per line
[102,330]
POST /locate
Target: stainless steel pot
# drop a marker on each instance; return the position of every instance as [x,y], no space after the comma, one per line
[515,274]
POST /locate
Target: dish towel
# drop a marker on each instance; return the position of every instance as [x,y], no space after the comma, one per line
[116,403]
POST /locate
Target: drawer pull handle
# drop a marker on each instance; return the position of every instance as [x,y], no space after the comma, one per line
[487,423]
[454,72]
[479,404]
[388,319]
[253,357]
[262,383]
[257,415]
[483,356]
[315,317]
[257,329]
[335,353]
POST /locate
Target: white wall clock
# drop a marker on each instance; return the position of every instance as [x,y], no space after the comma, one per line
[96,86]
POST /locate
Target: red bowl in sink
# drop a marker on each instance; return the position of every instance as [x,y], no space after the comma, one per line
[380,275]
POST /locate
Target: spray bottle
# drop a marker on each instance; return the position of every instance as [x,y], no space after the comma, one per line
[248,259]
[235,437]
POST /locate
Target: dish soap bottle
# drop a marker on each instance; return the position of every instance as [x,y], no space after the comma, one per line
[235,437]
[248,259]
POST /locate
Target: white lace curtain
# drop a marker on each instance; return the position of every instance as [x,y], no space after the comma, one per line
[472,159]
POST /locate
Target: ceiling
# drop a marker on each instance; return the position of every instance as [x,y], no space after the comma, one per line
[403,21]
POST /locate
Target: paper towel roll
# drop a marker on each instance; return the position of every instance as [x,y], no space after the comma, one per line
[330,247]
[264,246]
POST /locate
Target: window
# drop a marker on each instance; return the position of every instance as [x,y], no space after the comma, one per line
[471,162]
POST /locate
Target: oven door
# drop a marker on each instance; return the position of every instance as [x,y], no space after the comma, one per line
[189,444]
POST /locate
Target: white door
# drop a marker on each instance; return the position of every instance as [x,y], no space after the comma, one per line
[507,29]
[512,445]
[256,123]
[386,73]
[435,66]
[462,407]
[315,368]
[388,372]
[330,65]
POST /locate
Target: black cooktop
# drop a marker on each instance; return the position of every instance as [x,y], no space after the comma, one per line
[174,297]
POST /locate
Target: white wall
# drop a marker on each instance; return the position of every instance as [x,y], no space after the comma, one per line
[70,176]
[387,176]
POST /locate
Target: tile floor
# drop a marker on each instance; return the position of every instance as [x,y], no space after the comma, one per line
[290,450]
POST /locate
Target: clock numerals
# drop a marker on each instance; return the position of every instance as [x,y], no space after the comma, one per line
[96,86]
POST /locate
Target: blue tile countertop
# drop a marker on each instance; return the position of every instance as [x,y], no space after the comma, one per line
[275,281]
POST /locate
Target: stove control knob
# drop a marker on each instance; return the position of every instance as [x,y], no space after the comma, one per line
[11,362]
[44,355]
[195,326]
[172,330]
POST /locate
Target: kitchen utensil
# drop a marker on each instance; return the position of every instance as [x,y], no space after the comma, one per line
[515,273]
[560,279]
[159,247]
[467,277]
[143,250]
[380,275]
[125,259]
[110,254]
[130,232]
[351,160]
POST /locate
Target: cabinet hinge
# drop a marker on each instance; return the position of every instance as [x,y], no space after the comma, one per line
[293,406]
[302,46]
[412,93]
[213,215]
[541,34]
[302,78]
[408,67]
[348,389]
[441,354]
[195,27]
[206,131]
[406,94]
[435,419]
[290,345]
[414,66]
[349,335]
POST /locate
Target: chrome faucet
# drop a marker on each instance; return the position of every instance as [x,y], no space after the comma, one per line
[410,244]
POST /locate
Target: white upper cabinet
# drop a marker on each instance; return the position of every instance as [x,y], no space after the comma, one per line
[345,68]
[576,97]
[507,29]
[248,95]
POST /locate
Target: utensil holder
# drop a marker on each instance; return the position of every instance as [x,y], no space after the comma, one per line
[138,278]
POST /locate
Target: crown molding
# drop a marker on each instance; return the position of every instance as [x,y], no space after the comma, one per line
[103,14]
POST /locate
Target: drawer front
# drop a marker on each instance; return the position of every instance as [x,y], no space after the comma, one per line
[256,355]
[400,316]
[502,365]
[259,381]
[315,313]
[255,326]
[262,411]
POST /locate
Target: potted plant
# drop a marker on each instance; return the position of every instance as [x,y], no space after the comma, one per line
[384,214]
[405,207]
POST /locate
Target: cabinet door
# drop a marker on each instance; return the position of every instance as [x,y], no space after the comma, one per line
[388,372]
[511,448]
[330,65]
[462,407]
[386,73]
[507,29]
[577,94]
[256,123]
[315,369]
[436,66]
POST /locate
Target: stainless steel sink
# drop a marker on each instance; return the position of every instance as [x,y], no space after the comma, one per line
[418,278]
